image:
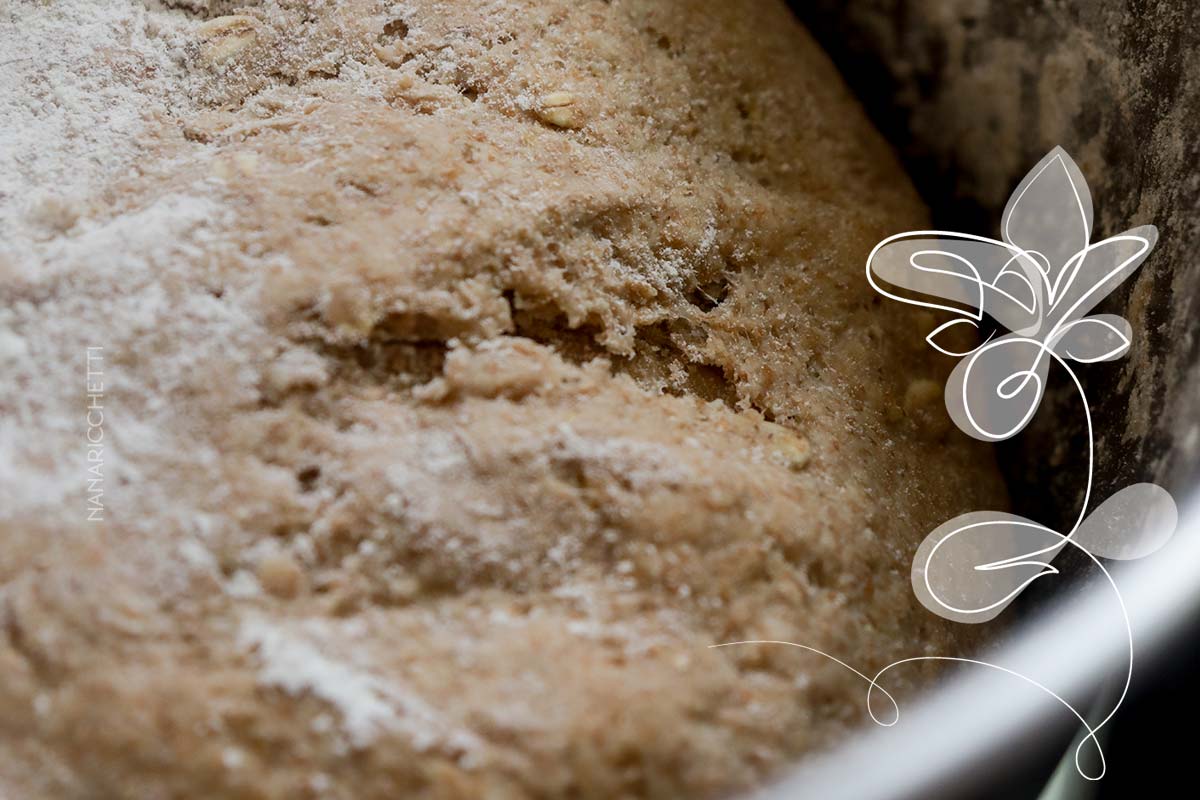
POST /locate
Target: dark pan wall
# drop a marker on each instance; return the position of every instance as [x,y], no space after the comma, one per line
[973,93]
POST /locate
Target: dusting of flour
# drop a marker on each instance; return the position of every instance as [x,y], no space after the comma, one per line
[466,370]
[80,80]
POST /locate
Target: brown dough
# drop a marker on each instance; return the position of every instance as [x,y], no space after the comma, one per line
[469,368]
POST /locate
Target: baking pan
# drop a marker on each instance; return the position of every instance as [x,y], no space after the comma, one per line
[973,94]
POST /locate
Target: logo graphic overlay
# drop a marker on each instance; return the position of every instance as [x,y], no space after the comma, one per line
[1038,282]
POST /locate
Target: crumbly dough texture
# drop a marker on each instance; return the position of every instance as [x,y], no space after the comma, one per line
[469,368]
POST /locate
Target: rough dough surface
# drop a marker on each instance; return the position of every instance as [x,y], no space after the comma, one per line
[468,369]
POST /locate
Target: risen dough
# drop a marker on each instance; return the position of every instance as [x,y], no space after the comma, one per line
[469,369]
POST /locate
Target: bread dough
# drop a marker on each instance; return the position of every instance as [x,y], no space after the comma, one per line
[467,370]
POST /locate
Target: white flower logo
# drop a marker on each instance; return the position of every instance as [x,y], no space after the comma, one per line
[1039,282]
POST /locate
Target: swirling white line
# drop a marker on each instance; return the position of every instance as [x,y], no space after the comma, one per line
[1067,539]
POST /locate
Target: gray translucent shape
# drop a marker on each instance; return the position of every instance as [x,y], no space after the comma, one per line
[1090,275]
[1102,337]
[1133,523]
[970,568]
[1043,275]
[992,394]
[1049,214]
[1038,282]
[982,274]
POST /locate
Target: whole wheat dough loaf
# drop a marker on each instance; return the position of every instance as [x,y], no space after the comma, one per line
[465,370]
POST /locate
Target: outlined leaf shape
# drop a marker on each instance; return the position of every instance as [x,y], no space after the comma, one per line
[970,568]
[1133,523]
[1090,275]
[1049,214]
[993,394]
[1103,337]
[982,274]
[1017,285]
[1043,275]
[934,335]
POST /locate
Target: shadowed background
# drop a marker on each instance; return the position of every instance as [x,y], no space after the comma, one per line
[972,94]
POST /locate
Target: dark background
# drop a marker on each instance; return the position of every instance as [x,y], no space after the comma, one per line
[972,94]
